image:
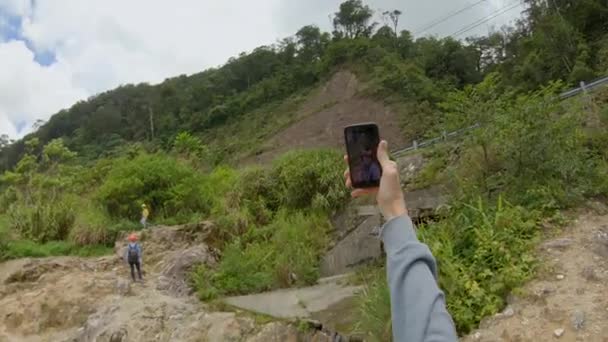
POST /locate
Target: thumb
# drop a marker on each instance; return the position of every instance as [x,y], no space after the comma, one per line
[383,153]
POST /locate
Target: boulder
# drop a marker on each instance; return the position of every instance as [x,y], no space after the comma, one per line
[276,332]
[175,269]
[226,326]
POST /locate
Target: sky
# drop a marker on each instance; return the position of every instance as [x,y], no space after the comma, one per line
[55,53]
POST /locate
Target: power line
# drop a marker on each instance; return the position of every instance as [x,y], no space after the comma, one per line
[446,17]
[482,21]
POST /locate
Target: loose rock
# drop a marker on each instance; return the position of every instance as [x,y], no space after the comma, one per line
[558,332]
[119,336]
[589,274]
[578,319]
[560,277]
[276,332]
[508,312]
[123,286]
[559,244]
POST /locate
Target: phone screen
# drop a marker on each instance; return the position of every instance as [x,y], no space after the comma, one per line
[362,146]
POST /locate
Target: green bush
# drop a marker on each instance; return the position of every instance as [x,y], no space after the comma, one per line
[482,252]
[304,178]
[284,253]
[299,240]
[43,219]
[29,249]
[92,227]
[242,270]
[170,188]
[529,146]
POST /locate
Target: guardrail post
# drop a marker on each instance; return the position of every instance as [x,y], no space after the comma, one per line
[444,135]
[415,144]
[583,86]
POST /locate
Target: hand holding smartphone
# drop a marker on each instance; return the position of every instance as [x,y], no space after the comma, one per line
[361,147]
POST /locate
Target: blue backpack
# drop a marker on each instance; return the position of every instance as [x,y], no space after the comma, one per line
[132,254]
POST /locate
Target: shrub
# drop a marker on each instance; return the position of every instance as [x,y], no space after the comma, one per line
[242,270]
[300,240]
[305,176]
[171,188]
[482,252]
[43,219]
[30,249]
[284,253]
[91,227]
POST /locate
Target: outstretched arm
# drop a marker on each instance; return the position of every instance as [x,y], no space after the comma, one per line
[418,306]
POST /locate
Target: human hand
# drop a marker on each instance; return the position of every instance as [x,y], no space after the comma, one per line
[389,195]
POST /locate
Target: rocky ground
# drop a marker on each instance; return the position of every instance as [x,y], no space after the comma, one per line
[568,299]
[92,299]
[79,299]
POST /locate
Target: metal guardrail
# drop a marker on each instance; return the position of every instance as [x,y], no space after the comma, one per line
[583,88]
[446,135]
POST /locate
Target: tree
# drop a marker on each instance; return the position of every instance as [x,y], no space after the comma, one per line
[187,145]
[37,124]
[55,152]
[4,140]
[311,43]
[385,37]
[393,16]
[353,20]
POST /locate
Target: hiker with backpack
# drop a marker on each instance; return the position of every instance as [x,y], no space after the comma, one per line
[133,256]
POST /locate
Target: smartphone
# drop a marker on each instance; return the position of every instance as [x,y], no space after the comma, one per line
[361,147]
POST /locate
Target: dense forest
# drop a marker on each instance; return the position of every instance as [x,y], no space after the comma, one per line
[79,180]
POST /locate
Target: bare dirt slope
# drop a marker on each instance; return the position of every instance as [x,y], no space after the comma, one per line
[322,118]
[69,299]
[568,300]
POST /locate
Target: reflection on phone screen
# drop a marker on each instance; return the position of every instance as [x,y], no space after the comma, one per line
[362,144]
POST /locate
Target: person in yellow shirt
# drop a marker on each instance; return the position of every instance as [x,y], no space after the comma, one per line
[145,212]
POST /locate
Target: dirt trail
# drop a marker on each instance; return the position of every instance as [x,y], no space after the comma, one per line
[568,300]
[69,299]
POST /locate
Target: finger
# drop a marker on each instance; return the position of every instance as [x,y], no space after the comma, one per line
[347,180]
[362,192]
[346,159]
[383,154]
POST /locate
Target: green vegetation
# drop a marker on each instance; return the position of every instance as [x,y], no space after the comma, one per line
[261,260]
[532,150]
[79,180]
[25,248]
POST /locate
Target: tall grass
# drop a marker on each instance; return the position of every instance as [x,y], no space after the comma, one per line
[25,248]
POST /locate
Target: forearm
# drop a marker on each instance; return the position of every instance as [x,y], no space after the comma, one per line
[417,304]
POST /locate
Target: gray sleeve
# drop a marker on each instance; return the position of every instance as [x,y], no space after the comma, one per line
[418,306]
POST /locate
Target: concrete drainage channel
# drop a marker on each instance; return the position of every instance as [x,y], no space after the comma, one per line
[317,305]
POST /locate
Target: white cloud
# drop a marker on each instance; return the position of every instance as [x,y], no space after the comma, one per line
[100,44]
[29,91]
[15,7]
